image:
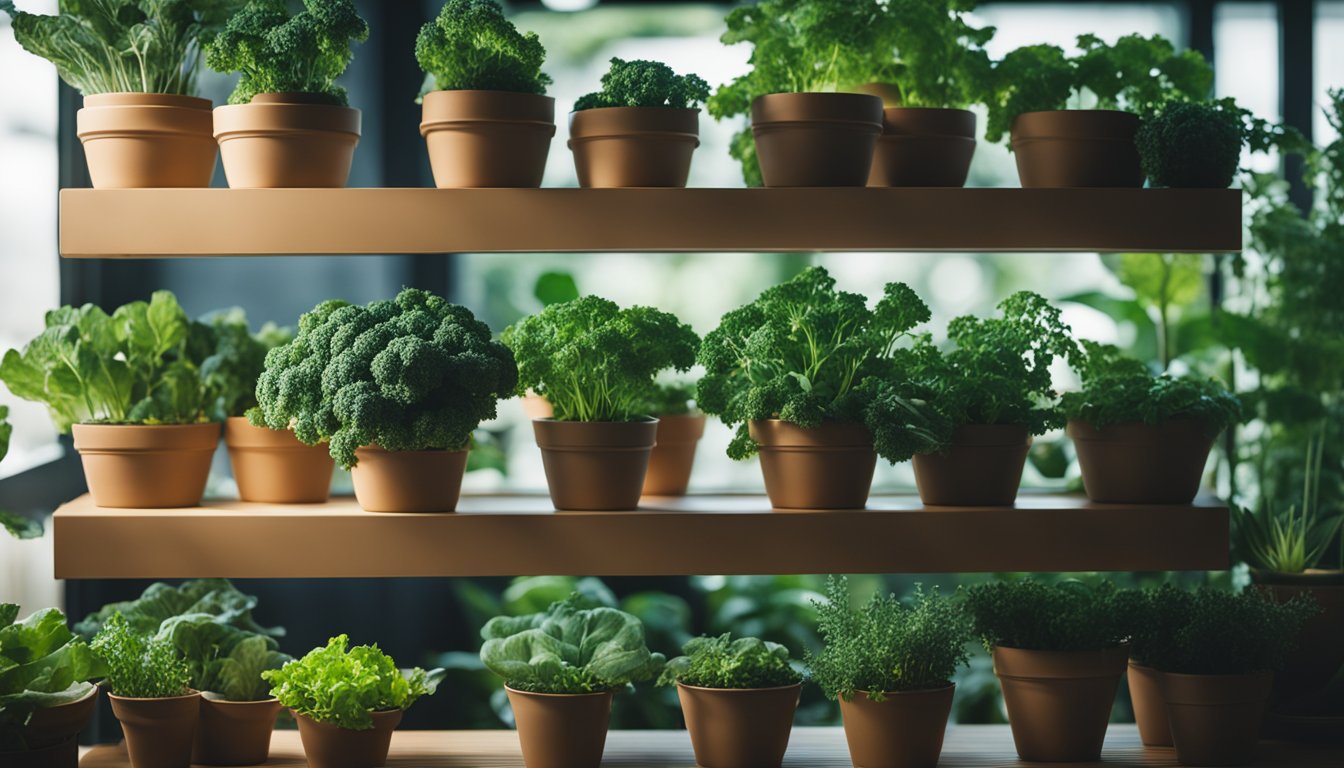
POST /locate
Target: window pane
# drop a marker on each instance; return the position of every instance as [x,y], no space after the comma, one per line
[1329,60]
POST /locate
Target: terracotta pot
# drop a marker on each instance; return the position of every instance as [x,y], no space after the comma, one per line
[537,407]
[326,746]
[286,140]
[1301,685]
[1077,148]
[982,467]
[134,140]
[739,728]
[487,138]
[561,731]
[234,732]
[825,467]
[1216,719]
[272,466]
[159,732]
[52,735]
[1059,702]
[922,147]
[408,481]
[146,467]
[816,139]
[1150,705]
[904,730]
[1136,463]
[673,455]
[595,465]
[634,146]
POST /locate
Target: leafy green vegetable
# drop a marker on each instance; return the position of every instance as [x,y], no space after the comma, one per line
[222,658]
[1119,389]
[471,46]
[722,662]
[670,398]
[139,666]
[1068,616]
[42,664]
[940,60]
[237,360]
[1187,144]
[161,602]
[645,84]
[1225,633]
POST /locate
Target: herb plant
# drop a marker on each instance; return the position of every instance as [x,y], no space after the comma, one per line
[160,602]
[1226,633]
[1119,389]
[237,361]
[645,84]
[139,666]
[725,663]
[1068,616]
[1159,615]
[42,664]
[940,59]
[670,398]
[222,658]
[1189,144]
[472,46]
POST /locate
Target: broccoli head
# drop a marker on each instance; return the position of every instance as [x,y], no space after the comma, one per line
[471,46]
[1188,144]
[645,84]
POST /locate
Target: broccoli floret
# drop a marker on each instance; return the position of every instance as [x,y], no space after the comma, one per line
[471,46]
[1189,144]
[645,84]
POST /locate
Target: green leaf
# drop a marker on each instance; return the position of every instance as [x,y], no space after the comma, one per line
[159,602]
[21,527]
[555,288]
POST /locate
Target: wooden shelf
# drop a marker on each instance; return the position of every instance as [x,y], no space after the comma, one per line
[523,536]
[227,222]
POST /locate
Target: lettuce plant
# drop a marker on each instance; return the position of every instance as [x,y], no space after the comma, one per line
[222,658]
[1224,633]
[645,84]
[472,46]
[139,666]
[160,602]
[1120,389]
[1068,616]
[42,664]
[722,662]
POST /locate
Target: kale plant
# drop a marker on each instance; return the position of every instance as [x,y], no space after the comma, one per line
[725,663]
[1119,389]
[139,666]
[645,84]
[1068,616]
[670,398]
[1189,144]
[237,361]
[471,46]
[222,658]
[1226,633]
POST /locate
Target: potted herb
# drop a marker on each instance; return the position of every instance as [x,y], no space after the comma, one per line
[561,669]
[287,123]
[128,386]
[640,129]
[148,685]
[594,362]
[1157,617]
[347,701]
[1192,144]
[680,427]
[809,376]
[487,120]
[1140,438]
[395,388]
[738,698]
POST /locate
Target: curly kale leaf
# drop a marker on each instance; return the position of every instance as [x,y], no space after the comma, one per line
[472,46]
[1119,389]
[1188,144]
[645,84]
[722,662]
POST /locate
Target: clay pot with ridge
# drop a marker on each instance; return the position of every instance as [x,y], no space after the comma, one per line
[739,727]
[1150,705]
[52,735]
[634,146]
[1216,719]
[146,467]
[561,730]
[1300,686]
[327,746]
[904,730]
[920,146]
[595,465]
[1137,463]
[138,140]
[982,467]
[1059,702]
[287,140]
[1077,148]
[816,139]
[234,732]
[272,466]
[487,138]
[673,454]
[159,733]
[824,467]
[408,481]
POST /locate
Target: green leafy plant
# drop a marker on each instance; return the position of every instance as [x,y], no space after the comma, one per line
[1226,633]
[939,59]
[161,602]
[139,666]
[645,84]
[1120,389]
[670,398]
[343,686]
[277,52]
[42,664]
[1190,144]
[722,662]
[412,374]
[1068,616]
[1295,540]
[237,361]
[472,46]
[222,658]
[1158,616]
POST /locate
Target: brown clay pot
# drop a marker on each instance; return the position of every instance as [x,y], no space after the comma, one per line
[159,732]
[1077,148]
[904,730]
[595,465]
[816,139]
[1300,686]
[739,728]
[1216,719]
[286,140]
[673,455]
[634,146]
[1136,463]
[136,140]
[561,731]
[487,138]
[408,481]
[1059,702]
[982,467]
[326,746]
[1150,705]
[536,407]
[923,147]
[234,732]
[51,735]
[272,466]
[825,467]
[146,467]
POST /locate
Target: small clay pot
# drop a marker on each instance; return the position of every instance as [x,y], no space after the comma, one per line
[673,455]
[52,735]
[1077,148]
[326,746]
[904,730]
[1136,463]
[561,730]
[159,732]
[272,466]
[816,139]
[136,140]
[146,467]
[1300,686]
[595,465]
[923,147]
[982,467]
[739,727]
[634,146]
[1150,705]
[1059,702]
[825,467]
[1216,719]
[487,138]
[234,732]
[536,407]
[287,140]
[408,481]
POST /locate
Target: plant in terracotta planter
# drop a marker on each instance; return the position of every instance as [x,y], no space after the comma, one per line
[148,684]
[1156,619]
[595,362]
[810,377]
[487,121]
[680,427]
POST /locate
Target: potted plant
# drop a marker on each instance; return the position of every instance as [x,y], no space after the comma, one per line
[1140,438]
[1156,619]
[640,129]
[680,427]
[809,377]
[287,123]
[128,386]
[594,362]
[141,125]
[890,665]
[1192,144]
[1059,651]
[561,669]
[487,121]
[347,701]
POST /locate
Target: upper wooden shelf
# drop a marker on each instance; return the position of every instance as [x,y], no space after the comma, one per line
[140,223]
[523,536]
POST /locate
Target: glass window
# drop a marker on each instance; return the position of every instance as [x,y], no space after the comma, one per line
[1329,60]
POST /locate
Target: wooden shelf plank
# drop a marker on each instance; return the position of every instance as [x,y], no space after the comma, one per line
[512,535]
[226,222]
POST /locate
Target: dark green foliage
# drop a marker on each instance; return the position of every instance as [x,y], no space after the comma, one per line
[1187,144]
[239,356]
[139,666]
[939,60]
[1119,389]
[471,46]
[222,658]
[672,398]
[42,664]
[722,662]
[1223,633]
[1069,616]
[1158,616]
[645,84]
